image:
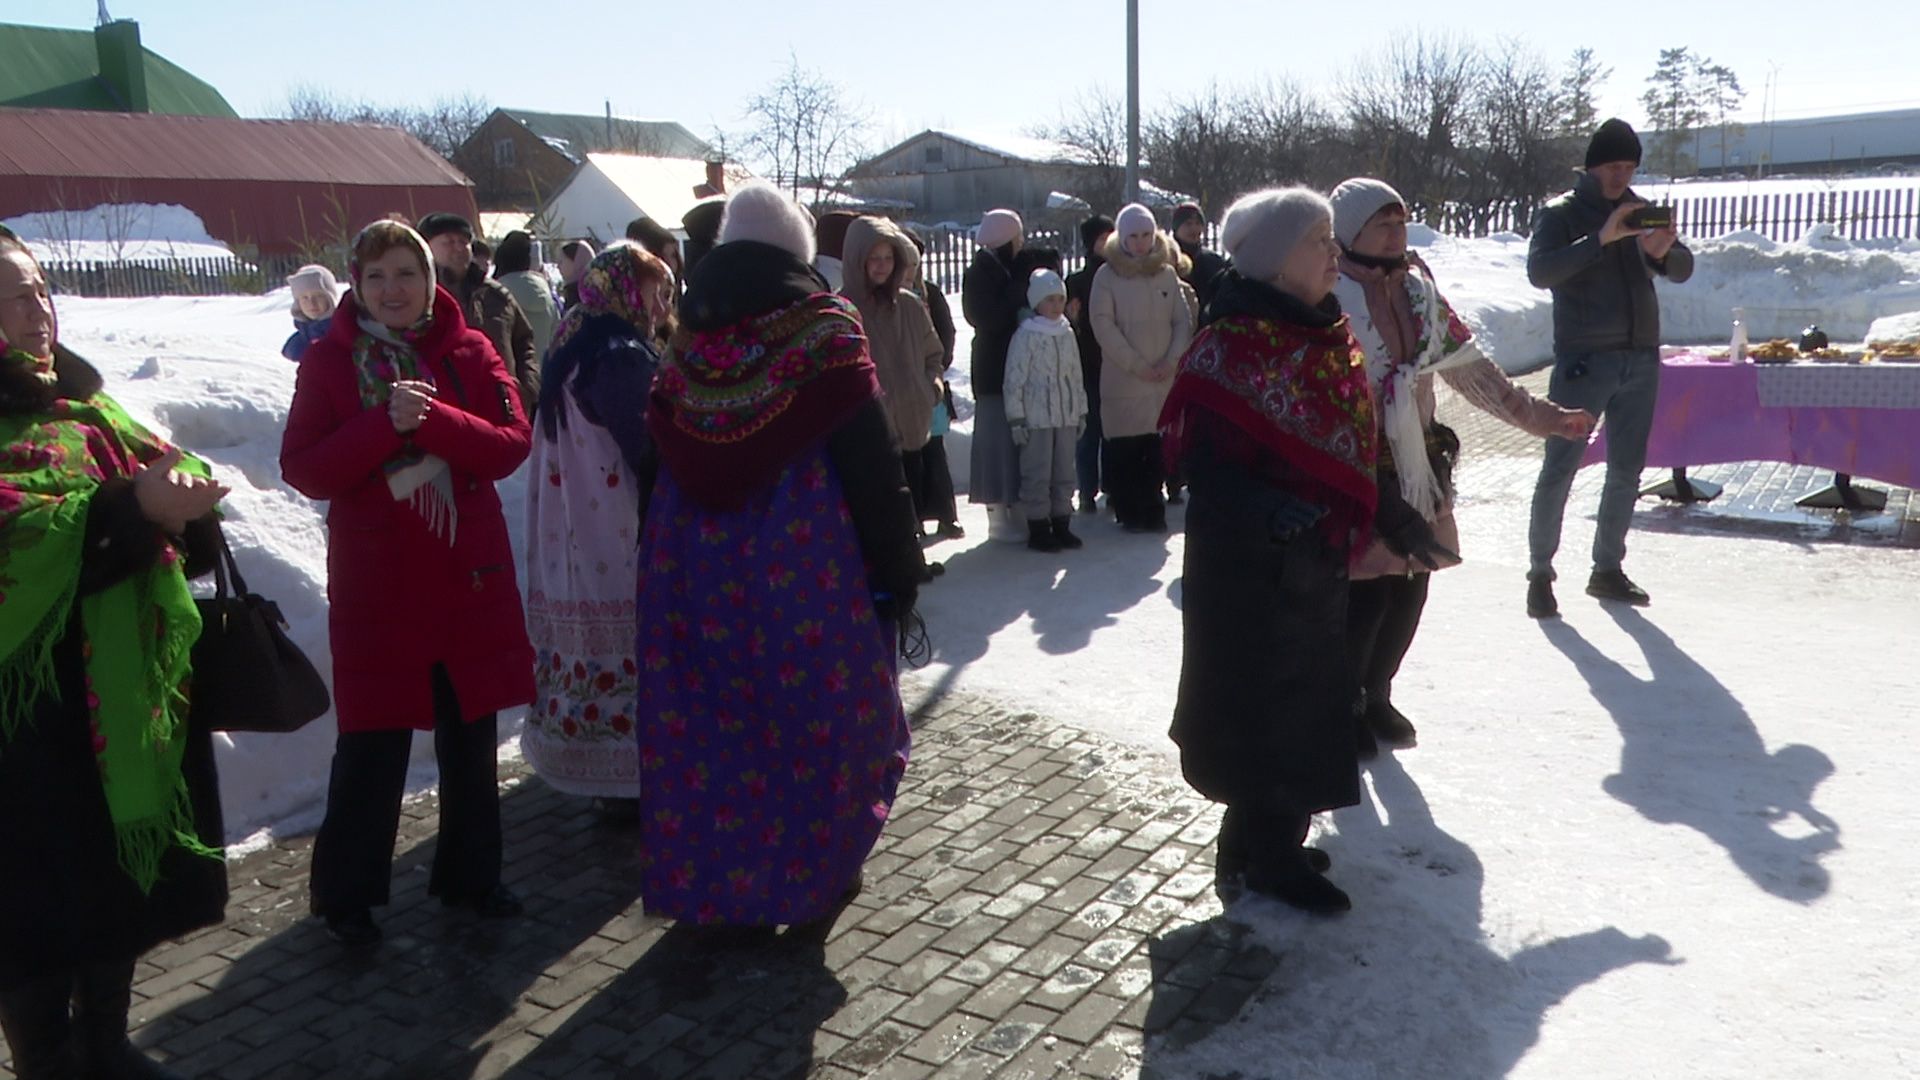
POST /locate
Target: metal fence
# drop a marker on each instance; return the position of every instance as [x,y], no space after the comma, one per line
[169,277]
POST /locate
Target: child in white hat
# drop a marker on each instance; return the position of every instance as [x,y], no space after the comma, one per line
[1046,399]
[315,292]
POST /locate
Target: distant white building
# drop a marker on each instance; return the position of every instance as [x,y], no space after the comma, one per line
[609,190]
[1823,145]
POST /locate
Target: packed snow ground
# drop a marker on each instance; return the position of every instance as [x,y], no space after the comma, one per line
[1669,843]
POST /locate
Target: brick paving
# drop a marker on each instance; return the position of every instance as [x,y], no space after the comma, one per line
[1040,906]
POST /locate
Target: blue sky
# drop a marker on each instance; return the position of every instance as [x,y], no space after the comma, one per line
[982,65]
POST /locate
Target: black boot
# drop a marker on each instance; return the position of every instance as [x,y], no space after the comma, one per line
[1289,876]
[1615,585]
[1234,849]
[1040,536]
[1389,724]
[1063,535]
[34,1017]
[102,995]
[1540,601]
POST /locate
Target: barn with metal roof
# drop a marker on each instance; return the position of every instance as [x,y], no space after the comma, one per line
[278,186]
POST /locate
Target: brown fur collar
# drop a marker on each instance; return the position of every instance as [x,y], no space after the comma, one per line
[1164,254]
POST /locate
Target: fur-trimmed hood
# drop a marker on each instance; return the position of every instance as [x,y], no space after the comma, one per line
[862,235]
[1165,253]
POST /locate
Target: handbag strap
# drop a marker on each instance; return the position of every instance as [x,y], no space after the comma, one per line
[226,571]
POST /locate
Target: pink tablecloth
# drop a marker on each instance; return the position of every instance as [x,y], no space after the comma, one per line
[1709,412]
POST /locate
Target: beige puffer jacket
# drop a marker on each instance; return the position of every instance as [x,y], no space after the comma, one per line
[1141,318]
[900,333]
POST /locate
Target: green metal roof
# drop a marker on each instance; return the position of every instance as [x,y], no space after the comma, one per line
[48,68]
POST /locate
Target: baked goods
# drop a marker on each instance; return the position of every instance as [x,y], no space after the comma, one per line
[1775,351]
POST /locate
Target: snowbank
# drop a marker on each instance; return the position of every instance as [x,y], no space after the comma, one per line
[208,374]
[1823,278]
[1904,327]
[118,232]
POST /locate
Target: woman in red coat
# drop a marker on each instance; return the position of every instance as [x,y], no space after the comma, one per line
[402,419]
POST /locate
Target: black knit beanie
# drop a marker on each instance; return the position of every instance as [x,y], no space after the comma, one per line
[1092,229]
[1615,141]
[441,221]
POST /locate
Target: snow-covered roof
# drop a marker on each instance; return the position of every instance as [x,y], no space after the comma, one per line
[609,190]
[1025,147]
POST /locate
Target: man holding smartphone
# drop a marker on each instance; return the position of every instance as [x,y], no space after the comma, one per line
[1597,248]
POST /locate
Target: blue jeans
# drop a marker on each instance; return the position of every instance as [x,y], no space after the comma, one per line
[1620,387]
[1086,455]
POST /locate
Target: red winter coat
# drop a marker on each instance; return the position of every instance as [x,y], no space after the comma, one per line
[401,599]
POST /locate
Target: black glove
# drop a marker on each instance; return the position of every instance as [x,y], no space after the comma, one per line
[1404,531]
[1291,517]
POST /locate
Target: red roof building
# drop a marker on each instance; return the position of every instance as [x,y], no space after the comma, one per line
[280,186]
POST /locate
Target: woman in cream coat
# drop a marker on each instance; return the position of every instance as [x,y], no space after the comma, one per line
[1143,321]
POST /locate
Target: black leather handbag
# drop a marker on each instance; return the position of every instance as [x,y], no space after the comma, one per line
[247,674]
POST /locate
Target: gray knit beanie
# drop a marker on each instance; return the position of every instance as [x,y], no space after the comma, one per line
[1261,229]
[1355,202]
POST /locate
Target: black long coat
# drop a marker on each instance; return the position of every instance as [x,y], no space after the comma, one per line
[1263,717]
[64,900]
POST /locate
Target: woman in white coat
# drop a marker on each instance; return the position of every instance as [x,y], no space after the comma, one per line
[1143,321]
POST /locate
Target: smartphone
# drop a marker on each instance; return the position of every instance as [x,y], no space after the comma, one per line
[1651,217]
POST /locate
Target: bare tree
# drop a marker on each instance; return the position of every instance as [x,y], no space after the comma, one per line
[443,126]
[805,130]
[1094,131]
[1199,146]
[1410,111]
[1517,113]
[1291,136]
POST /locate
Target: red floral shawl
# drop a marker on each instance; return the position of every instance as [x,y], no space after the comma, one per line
[732,407]
[1300,392]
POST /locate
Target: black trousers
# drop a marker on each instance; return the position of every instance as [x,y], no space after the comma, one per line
[1383,614]
[1134,474]
[353,854]
[931,482]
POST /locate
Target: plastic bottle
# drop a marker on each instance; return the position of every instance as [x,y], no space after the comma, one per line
[1737,349]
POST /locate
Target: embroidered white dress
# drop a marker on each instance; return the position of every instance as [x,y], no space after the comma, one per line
[583,528]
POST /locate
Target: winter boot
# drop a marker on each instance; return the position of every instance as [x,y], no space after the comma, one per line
[1063,535]
[34,1017]
[1289,877]
[1234,849]
[1388,724]
[1040,536]
[102,995]
[1614,585]
[1540,601]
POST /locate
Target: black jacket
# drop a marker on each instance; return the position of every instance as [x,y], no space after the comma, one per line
[64,900]
[1080,288]
[492,310]
[1603,297]
[992,295]
[1206,271]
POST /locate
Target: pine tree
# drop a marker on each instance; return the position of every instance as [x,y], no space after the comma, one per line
[1578,88]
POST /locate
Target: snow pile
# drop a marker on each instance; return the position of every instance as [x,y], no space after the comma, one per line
[118,232]
[1904,327]
[207,373]
[1823,278]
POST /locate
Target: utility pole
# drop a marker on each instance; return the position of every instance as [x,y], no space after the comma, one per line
[1133,101]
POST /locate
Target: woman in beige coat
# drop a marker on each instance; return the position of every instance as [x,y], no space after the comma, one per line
[878,264]
[1141,318]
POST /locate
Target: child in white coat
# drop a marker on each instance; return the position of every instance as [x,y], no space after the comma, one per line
[1046,400]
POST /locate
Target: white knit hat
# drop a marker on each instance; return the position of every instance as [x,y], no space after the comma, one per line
[1041,284]
[1261,229]
[1355,202]
[999,227]
[760,211]
[1134,218]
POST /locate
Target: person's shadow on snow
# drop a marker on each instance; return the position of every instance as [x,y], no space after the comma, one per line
[1690,755]
[1070,595]
[1406,985]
